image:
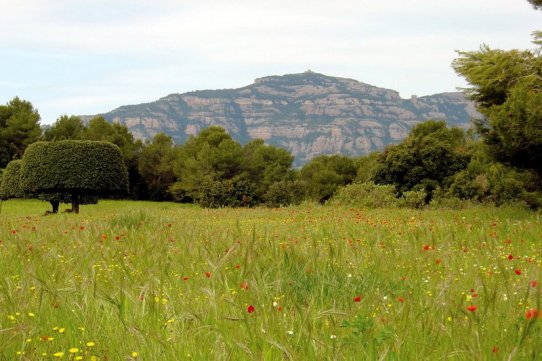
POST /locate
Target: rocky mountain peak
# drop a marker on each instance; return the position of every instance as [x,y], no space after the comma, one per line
[307,113]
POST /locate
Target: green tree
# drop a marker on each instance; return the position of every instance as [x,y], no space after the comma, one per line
[19,127]
[210,157]
[155,164]
[99,129]
[507,88]
[66,127]
[79,168]
[425,159]
[10,184]
[324,174]
[264,165]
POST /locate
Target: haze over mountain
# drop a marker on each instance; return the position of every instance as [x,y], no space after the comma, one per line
[307,113]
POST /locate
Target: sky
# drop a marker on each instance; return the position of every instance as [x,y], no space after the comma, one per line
[87,57]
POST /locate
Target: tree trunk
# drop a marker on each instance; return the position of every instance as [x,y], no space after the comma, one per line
[55,205]
[75,203]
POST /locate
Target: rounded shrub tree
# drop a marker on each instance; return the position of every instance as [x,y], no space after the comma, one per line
[10,185]
[75,167]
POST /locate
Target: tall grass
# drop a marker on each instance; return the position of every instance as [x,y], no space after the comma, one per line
[161,281]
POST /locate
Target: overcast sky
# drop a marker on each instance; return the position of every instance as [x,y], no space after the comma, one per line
[88,57]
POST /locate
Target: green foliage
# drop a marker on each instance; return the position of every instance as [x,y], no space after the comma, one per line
[211,157]
[265,165]
[155,165]
[366,194]
[10,184]
[99,129]
[413,199]
[485,180]
[507,86]
[366,167]
[76,167]
[425,159]
[19,127]
[66,127]
[324,174]
[284,193]
[213,170]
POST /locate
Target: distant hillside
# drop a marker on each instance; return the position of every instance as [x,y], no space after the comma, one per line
[308,114]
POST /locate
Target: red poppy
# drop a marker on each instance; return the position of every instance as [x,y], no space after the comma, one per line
[517,271]
[185,278]
[279,308]
[208,274]
[237,266]
[117,237]
[104,236]
[534,283]
[531,313]
[472,308]
[495,349]
[250,309]
[357,299]
[401,299]
[426,247]
[244,286]
[438,261]
[510,257]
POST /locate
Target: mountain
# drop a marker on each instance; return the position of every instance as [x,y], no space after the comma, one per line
[308,114]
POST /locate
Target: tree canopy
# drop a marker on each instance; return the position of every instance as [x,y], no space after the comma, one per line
[80,168]
[19,127]
[507,87]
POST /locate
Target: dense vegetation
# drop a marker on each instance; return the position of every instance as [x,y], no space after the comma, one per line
[499,162]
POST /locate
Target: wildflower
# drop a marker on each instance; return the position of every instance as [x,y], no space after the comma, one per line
[30,314]
[78,358]
[117,238]
[517,271]
[290,332]
[357,299]
[401,299]
[250,309]
[531,313]
[438,261]
[472,308]
[244,286]
[279,308]
[104,237]
[426,247]
[208,274]
[495,349]
[58,354]
[135,354]
[185,278]
[534,283]
[90,344]
[510,257]
[73,350]
[333,337]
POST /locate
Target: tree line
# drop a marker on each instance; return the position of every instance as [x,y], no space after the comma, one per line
[498,161]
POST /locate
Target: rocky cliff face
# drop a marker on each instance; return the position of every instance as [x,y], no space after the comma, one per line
[308,114]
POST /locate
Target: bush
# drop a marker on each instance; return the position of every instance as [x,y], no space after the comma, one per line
[79,168]
[10,185]
[365,195]
[284,193]
[413,199]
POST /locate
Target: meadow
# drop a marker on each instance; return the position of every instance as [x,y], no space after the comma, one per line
[163,281]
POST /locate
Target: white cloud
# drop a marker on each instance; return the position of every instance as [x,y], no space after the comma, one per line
[138,49]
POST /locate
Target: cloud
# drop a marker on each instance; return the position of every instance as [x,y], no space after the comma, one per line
[96,54]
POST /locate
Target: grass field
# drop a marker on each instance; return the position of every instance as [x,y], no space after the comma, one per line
[162,281]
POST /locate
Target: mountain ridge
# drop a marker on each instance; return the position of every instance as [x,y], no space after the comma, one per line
[306,113]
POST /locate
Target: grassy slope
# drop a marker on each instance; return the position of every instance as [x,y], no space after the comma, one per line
[173,282]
